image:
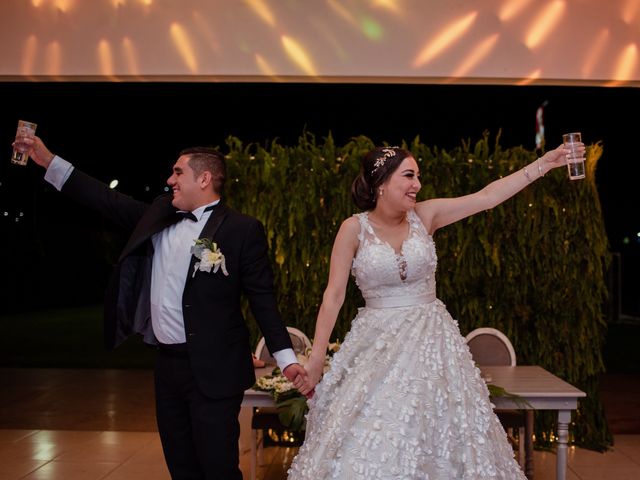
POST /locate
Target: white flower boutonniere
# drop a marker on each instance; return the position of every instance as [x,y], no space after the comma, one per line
[210,256]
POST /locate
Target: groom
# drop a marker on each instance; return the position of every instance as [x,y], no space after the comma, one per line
[188,305]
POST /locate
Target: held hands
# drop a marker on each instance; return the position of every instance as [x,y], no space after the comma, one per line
[297,375]
[314,369]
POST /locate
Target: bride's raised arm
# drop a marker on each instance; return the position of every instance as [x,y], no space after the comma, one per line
[440,212]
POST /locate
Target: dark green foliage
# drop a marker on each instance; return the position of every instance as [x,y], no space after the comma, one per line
[533,267]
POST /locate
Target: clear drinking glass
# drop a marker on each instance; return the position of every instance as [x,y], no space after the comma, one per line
[25,129]
[575,160]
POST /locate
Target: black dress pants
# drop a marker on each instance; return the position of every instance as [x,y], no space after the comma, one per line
[199,434]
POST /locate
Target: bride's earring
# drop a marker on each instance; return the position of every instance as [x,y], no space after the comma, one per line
[380,192]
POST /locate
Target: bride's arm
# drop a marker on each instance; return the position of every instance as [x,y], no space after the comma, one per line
[440,212]
[344,249]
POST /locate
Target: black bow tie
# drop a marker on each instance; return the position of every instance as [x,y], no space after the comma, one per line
[191,216]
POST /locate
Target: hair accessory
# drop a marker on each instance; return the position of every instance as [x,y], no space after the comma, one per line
[381,160]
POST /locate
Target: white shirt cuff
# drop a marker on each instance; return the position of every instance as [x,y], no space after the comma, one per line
[58,172]
[285,357]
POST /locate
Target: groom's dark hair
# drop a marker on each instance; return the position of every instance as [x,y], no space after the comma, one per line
[202,159]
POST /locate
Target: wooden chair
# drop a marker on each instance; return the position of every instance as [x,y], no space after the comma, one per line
[265,418]
[490,346]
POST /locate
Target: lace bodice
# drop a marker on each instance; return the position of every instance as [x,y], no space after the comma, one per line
[381,272]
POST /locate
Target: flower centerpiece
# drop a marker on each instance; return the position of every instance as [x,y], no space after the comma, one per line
[291,404]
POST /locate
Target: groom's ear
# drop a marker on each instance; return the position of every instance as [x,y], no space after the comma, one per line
[205,179]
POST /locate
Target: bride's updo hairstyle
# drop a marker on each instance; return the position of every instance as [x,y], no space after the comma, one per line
[377,167]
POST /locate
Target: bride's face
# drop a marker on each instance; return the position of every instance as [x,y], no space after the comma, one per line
[403,185]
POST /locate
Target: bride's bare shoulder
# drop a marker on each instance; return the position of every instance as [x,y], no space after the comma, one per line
[351,224]
[425,212]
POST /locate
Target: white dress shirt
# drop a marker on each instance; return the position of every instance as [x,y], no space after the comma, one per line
[170,270]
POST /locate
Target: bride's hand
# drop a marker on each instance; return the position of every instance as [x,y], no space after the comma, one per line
[558,157]
[314,370]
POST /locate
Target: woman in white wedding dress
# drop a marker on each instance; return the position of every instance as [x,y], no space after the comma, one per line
[402,398]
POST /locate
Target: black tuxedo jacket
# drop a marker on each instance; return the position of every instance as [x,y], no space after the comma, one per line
[216,332]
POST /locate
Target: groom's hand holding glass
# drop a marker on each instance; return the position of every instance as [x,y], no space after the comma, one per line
[36,149]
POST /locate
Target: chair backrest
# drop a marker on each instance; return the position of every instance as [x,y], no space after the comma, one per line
[299,340]
[490,346]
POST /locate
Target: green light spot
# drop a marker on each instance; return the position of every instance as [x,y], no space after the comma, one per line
[371,28]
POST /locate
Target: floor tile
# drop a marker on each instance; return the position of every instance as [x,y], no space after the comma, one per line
[72,471]
[15,469]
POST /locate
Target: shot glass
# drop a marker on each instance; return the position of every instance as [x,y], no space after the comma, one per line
[575,159]
[25,129]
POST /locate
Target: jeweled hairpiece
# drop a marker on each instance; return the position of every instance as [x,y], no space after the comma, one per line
[381,160]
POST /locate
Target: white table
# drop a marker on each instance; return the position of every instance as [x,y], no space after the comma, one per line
[541,389]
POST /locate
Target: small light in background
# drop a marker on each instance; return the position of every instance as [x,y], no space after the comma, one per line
[625,240]
[113,184]
[146,189]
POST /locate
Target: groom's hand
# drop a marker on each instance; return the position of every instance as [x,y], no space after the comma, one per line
[38,151]
[296,374]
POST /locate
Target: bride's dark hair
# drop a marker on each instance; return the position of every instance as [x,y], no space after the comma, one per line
[377,167]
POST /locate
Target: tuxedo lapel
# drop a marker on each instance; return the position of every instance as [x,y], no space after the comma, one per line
[215,220]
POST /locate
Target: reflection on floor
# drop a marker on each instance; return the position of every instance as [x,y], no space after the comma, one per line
[58,424]
[103,455]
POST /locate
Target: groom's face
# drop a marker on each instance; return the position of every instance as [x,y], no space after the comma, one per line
[187,187]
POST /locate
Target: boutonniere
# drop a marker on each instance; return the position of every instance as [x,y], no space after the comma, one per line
[210,256]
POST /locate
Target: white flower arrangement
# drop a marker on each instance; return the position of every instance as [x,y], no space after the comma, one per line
[276,383]
[291,404]
[210,256]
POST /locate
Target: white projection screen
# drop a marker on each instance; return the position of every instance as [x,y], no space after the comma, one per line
[512,42]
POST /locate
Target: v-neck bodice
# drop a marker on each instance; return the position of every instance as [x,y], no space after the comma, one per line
[380,271]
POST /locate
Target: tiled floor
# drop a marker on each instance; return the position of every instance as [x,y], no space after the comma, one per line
[99,425]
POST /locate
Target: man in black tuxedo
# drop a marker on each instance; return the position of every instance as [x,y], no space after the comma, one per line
[188,305]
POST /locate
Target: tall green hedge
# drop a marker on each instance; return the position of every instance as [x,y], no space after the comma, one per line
[533,267]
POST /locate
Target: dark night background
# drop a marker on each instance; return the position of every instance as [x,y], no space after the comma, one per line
[134,131]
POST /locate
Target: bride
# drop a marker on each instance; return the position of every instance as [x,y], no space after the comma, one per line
[402,398]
